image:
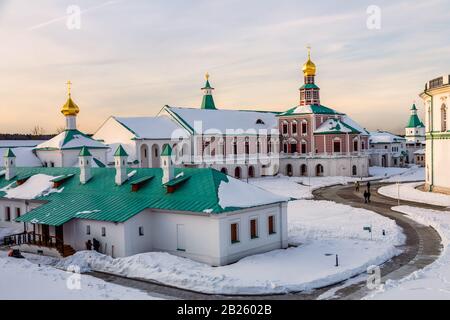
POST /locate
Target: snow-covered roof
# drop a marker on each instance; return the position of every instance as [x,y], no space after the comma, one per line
[421,151]
[235,193]
[310,109]
[384,137]
[19,143]
[335,126]
[70,139]
[25,157]
[149,127]
[223,120]
[346,119]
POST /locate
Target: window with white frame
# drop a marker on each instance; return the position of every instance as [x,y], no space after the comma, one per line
[271,225]
[88,230]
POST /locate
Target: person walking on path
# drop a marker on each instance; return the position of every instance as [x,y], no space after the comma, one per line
[357,186]
[368,186]
[366,195]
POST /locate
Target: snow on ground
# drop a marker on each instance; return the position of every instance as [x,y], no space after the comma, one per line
[409,192]
[432,282]
[22,279]
[7,231]
[35,186]
[414,173]
[315,225]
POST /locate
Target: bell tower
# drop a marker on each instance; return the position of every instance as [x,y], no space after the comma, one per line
[309,92]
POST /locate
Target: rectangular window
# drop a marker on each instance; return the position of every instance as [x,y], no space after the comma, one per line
[271,222]
[253,228]
[294,128]
[141,231]
[304,128]
[103,232]
[7,214]
[234,228]
[18,212]
[285,128]
[88,230]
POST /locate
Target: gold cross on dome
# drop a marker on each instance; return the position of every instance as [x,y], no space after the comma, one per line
[309,50]
[69,84]
[207,76]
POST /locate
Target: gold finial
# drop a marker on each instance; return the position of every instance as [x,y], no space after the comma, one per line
[69,84]
[309,68]
[207,76]
[309,51]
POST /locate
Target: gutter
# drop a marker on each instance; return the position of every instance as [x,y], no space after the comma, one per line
[430,189]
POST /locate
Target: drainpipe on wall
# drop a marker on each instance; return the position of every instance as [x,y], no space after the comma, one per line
[432,141]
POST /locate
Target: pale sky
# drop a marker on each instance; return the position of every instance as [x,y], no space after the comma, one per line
[132,57]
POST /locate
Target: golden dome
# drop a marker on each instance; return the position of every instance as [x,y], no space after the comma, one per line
[69,108]
[309,68]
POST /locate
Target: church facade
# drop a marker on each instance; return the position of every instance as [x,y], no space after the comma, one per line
[436,97]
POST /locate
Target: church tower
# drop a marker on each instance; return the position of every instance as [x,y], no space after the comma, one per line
[415,129]
[70,110]
[309,92]
[208,100]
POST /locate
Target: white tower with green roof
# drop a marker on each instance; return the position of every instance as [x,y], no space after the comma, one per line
[415,129]
[167,165]
[208,100]
[120,160]
[85,163]
[10,164]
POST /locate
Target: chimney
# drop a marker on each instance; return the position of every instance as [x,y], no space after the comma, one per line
[85,163]
[10,164]
[120,160]
[167,165]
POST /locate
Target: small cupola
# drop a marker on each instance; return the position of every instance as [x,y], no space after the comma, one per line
[85,163]
[9,160]
[166,164]
[120,162]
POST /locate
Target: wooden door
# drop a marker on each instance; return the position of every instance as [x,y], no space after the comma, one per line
[45,233]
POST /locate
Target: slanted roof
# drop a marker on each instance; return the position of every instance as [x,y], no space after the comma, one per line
[153,128]
[70,139]
[310,109]
[25,157]
[384,137]
[167,151]
[120,152]
[414,122]
[223,120]
[349,121]
[206,191]
[9,154]
[335,126]
[85,152]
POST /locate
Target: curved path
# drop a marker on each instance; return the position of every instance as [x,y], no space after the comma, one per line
[422,247]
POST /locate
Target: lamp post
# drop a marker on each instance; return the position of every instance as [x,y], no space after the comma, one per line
[398,193]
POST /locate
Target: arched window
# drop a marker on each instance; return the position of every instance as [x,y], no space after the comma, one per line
[303,170]
[251,172]
[247,146]
[319,170]
[444,118]
[285,147]
[237,173]
[337,145]
[289,171]
[294,127]
[235,147]
[269,145]
[224,170]
[355,145]
[284,127]
[304,127]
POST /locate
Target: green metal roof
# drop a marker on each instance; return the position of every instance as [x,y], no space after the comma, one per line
[207,85]
[167,151]
[9,154]
[208,102]
[99,163]
[120,152]
[177,181]
[309,86]
[414,122]
[85,152]
[101,199]
[311,109]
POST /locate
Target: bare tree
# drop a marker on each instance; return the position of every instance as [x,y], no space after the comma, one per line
[60,129]
[37,130]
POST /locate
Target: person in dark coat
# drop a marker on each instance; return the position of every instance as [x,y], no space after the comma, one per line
[366,196]
[368,186]
[357,186]
[89,245]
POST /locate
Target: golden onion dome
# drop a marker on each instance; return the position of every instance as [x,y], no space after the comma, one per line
[69,108]
[309,68]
